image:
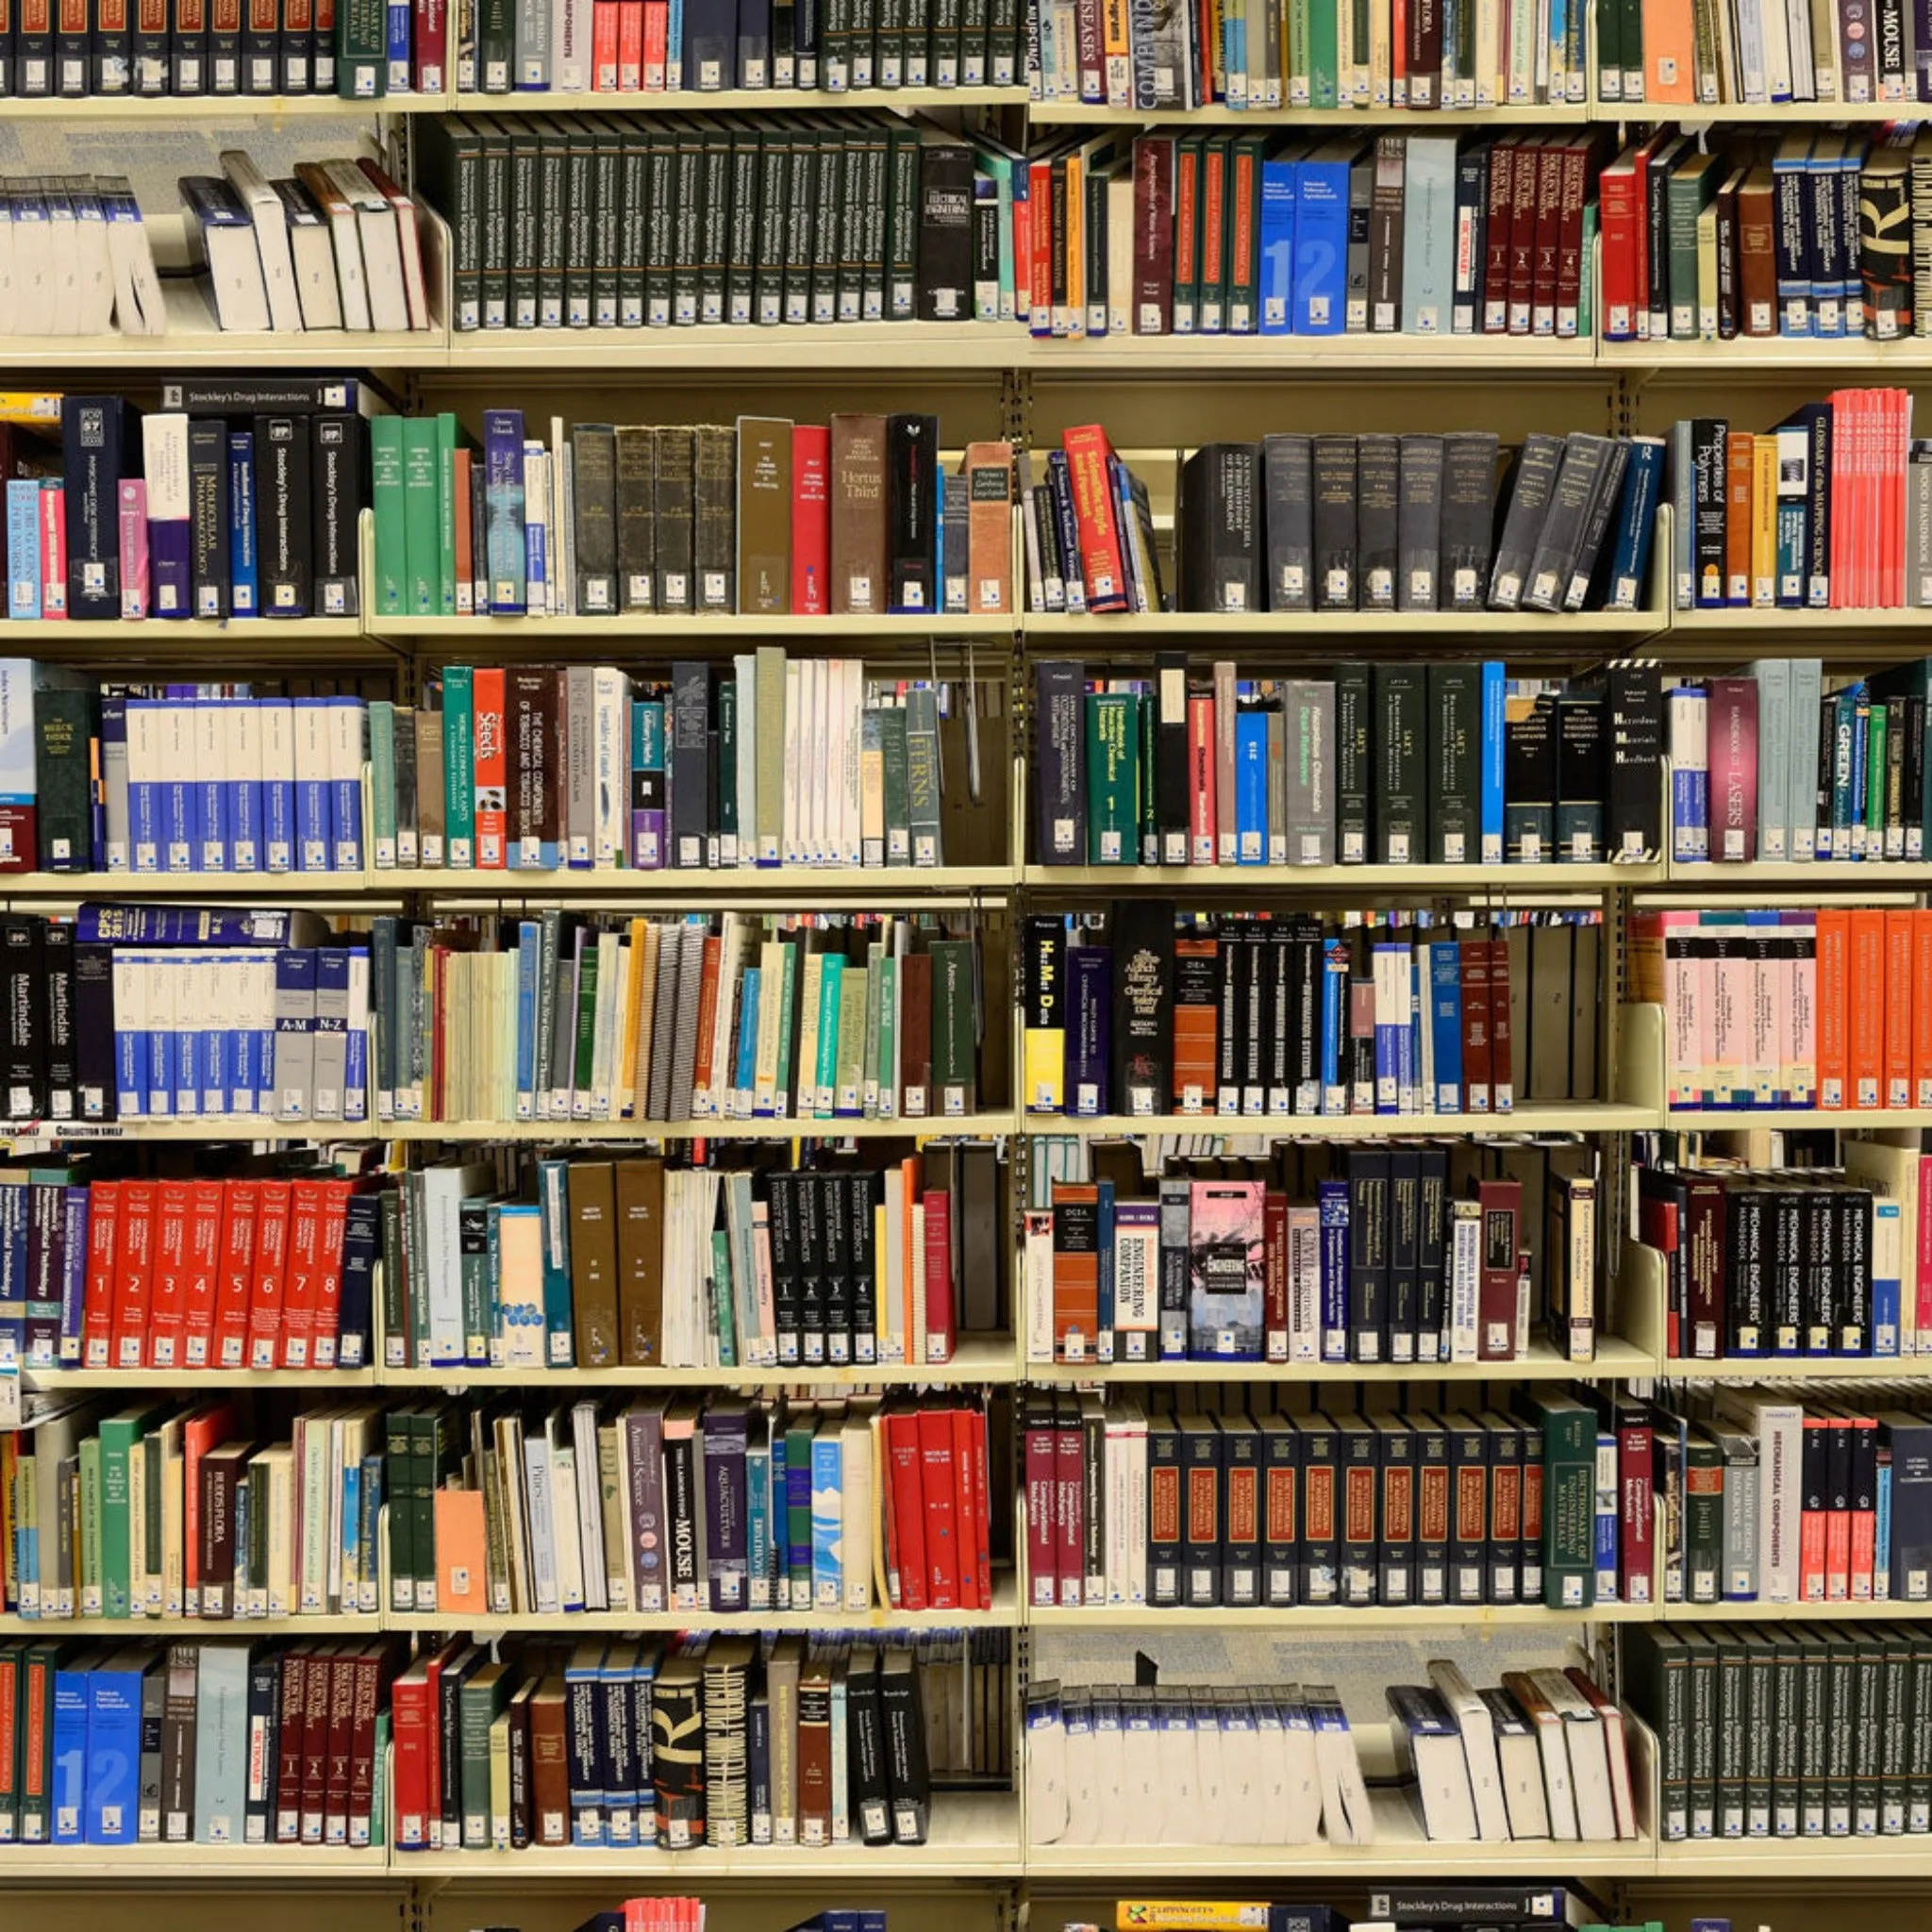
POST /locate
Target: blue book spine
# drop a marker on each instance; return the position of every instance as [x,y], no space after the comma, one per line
[1319,304]
[781,1549]
[744,1075]
[163,1041]
[1334,1025]
[1409,1041]
[75,1209]
[244,786]
[1251,787]
[23,547]
[1886,1289]
[757,1525]
[1606,1504]
[130,1050]
[368,1564]
[244,576]
[529,946]
[1881,1540]
[1278,179]
[398,46]
[1445,1023]
[355,1054]
[1060,484]
[348,740]
[214,804]
[1390,1025]
[245,1080]
[798,1510]
[93,460]
[1494,739]
[314,817]
[536,550]
[362,1241]
[503,510]
[70,1707]
[1331,1202]
[1635,517]
[588,1762]
[828,1484]
[350,1530]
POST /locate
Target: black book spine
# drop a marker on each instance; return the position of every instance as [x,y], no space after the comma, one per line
[1369,1238]
[1378,496]
[27,1017]
[1059,754]
[945,232]
[94,433]
[339,466]
[1354,731]
[93,1024]
[911,458]
[282,499]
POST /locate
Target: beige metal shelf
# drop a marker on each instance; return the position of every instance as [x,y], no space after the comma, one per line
[629,636]
[1826,1120]
[1432,879]
[1297,623]
[219,110]
[185,1627]
[189,1863]
[741,100]
[35,634]
[1615,1361]
[1790,1613]
[242,1127]
[1219,116]
[1886,874]
[1798,1368]
[139,1381]
[1443,357]
[1751,623]
[1312,1617]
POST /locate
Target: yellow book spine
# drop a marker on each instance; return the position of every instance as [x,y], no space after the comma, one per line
[1764,523]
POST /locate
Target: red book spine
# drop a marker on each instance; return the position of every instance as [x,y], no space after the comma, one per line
[1070,1511]
[203,1272]
[630,45]
[1022,257]
[305,1267]
[167,1310]
[1547,234]
[1042,1542]
[1087,42]
[604,38]
[657,43]
[1100,541]
[493,797]
[811,520]
[241,1205]
[97,1301]
[966,1510]
[940,1318]
[982,1516]
[1040,251]
[1152,307]
[134,1275]
[909,1509]
[1812,1520]
[1495,288]
[1274,1275]
[289,1751]
[326,1322]
[1201,793]
[1864,1513]
[1570,199]
[428,43]
[942,1521]
[1634,1559]
[315,1719]
[53,553]
[1475,963]
[1838,1511]
[1501,1205]
[1521,229]
[271,1274]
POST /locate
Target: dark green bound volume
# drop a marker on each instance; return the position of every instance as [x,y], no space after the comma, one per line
[63,726]
[1352,690]
[1400,739]
[1455,733]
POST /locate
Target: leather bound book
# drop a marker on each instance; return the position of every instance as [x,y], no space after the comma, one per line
[371,1667]
[815,1754]
[1154,241]
[859,515]
[1502,1211]
[989,528]
[1494,294]
[715,517]
[915,1037]
[1757,254]
[675,452]
[1520,224]
[549,1765]
[289,1735]
[764,514]
[640,1206]
[1578,164]
[594,485]
[637,522]
[593,1261]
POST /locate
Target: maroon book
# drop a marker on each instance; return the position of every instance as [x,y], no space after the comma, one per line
[1733,754]
[1152,312]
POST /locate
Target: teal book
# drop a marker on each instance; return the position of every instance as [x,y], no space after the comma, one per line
[459,765]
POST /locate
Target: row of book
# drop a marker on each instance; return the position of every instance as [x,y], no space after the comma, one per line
[1798,771]
[1767,1498]
[1148,1014]
[1791,1008]
[1544,1756]
[745,1267]
[658,222]
[220,512]
[1411,763]
[778,761]
[81,261]
[553,1018]
[336,246]
[766,517]
[1833,514]
[1813,1730]
[1798,237]
[722,1507]
[1238,234]
[193,1508]
[1318,55]
[1763,1262]
[1413,1254]
[1349,523]
[703,1740]
[1186,1509]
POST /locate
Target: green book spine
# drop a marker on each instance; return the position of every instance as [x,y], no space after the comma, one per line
[902,223]
[825,1047]
[585,1053]
[87,1546]
[1450,746]
[398,1479]
[885,1056]
[953,1029]
[1323,56]
[1149,822]
[396,1322]
[848,1047]
[893,758]
[120,1440]
[728,767]
[1814,1672]
[1569,1504]
[421,503]
[361,50]
[378,1809]
[1875,783]
[1113,777]
[63,726]
[478,1702]
[789,992]
[1732,1653]
[1703,1766]
[1704,1520]
[869,1039]
[1842,1698]
[382,779]
[386,499]
[446,515]
[459,765]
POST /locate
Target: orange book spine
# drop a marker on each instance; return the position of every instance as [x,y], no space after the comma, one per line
[1898,1006]
[1075,1272]
[1865,1018]
[492,774]
[1833,1049]
[1738,464]
[708,1023]
[1922,1007]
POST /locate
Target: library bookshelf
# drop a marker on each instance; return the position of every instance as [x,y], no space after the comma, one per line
[977,1873]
